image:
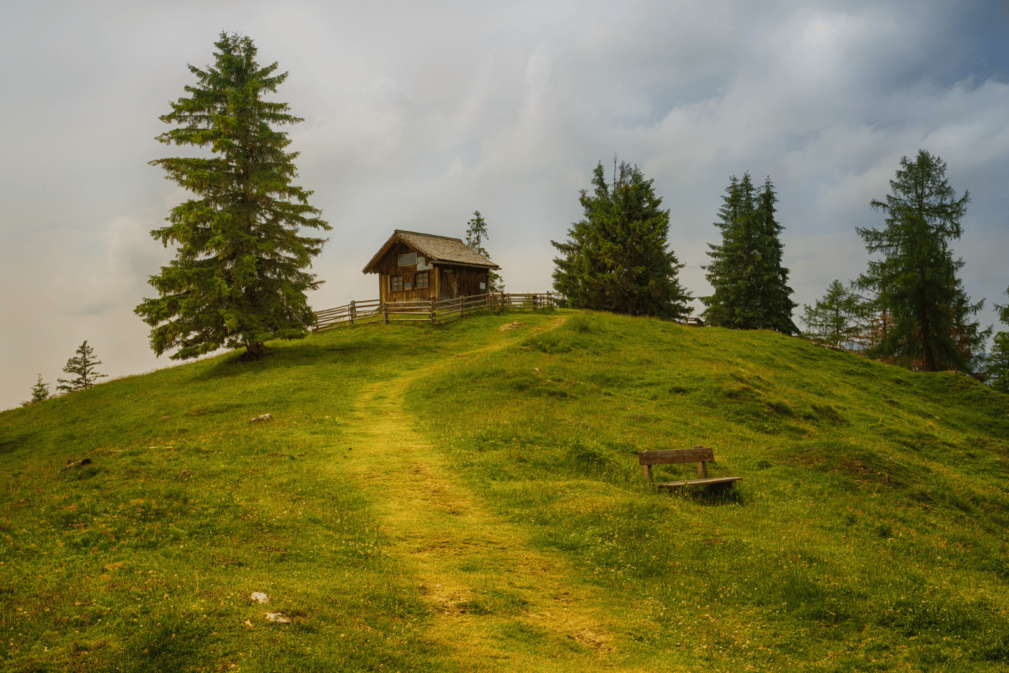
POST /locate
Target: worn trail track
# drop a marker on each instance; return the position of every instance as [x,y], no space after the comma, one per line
[460,552]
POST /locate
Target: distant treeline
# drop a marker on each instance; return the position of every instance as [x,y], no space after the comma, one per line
[908,308]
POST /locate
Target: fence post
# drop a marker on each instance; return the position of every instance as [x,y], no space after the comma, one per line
[385,310]
[535,296]
[550,300]
[353,313]
[432,312]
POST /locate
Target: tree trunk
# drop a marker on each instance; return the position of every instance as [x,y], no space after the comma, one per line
[255,350]
[926,338]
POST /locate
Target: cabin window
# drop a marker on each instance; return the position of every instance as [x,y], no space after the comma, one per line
[397,283]
[409,259]
[421,279]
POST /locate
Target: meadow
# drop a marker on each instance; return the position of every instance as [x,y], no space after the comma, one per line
[467,497]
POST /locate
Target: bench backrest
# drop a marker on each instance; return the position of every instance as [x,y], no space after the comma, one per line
[698,454]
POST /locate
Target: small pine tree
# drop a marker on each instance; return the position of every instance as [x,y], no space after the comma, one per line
[476,234]
[40,392]
[997,366]
[997,369]
[616,258]
[82,367]
[836,318]
[751,285]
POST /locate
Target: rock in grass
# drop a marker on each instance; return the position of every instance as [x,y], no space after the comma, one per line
[259,597]
[263,418]
[278,618]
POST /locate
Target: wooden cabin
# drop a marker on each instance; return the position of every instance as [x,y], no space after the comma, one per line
[422,267]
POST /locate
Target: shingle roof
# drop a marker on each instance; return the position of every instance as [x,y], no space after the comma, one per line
[434,249]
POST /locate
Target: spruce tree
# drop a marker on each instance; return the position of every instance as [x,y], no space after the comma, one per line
[40,392]
[750,284]
[616,258]
[239,276]
[83,367]
[997,365]
[1003,310]
[836,318]
[580,261]
[476,234]
[915,280]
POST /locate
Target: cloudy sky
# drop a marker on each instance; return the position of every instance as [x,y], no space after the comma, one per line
[417,114]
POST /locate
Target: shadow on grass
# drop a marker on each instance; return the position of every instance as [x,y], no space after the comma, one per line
[13,441]
[712,496]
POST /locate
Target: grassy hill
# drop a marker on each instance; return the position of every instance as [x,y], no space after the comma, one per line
[467,498]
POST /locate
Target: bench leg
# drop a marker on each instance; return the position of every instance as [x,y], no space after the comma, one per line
[647,471]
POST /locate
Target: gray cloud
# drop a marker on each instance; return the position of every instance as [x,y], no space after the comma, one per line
[416,114]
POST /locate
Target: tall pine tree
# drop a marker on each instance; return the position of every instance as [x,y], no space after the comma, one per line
[239,276]
[915,280]
[476,234]
[616,258]
[751,285]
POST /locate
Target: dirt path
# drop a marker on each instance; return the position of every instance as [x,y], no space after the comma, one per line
[498,604]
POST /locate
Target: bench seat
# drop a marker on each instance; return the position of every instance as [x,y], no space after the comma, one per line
[698,482]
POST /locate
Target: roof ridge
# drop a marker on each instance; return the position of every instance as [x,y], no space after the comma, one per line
[418,233]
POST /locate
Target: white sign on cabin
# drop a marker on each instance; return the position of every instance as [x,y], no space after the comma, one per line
[422,264]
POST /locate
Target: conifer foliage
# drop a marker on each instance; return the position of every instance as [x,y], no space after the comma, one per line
[998,363]
[84,370]
[837,318]
[476,234]
[751,285]
[915,280]
[616,258]
[997,367]
[40,392]
[239,276]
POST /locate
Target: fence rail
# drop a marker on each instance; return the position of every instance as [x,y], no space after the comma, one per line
[375,311]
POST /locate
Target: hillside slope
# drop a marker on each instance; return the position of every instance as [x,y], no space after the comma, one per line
[468,498]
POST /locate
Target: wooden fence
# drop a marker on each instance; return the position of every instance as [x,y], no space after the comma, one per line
[376,311]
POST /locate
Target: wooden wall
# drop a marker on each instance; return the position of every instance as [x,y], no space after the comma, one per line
[460,281]
[449,281]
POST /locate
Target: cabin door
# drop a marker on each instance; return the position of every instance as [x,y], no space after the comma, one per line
[449,286]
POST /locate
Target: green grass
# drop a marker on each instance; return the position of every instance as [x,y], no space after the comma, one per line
[145,559]
[868,532]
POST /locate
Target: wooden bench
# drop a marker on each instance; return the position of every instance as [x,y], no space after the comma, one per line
[698,454]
